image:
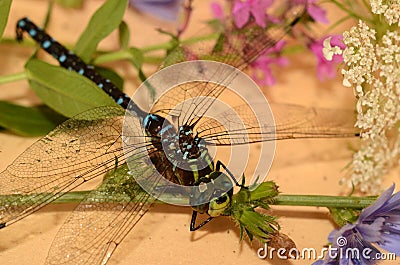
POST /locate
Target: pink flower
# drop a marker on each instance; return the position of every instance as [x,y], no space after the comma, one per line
[325,68]
[262,72]
[217,10]
[316,12]
[257,8]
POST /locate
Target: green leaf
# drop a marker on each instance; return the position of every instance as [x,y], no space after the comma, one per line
[28,121]
[137,62]
[216,25]
[115,78]
[264,191]
[76,4]
[258,225]
[219,45]
[124,35]
[176,55]
[343,216]
[137,56]
[103,22]
[240,231]
[4,11]
[65,91]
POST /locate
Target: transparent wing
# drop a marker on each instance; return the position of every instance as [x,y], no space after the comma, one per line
[189,100]
[77,151]
[240,47]
[291,121]
[97,226]
[236,47]
[101,221]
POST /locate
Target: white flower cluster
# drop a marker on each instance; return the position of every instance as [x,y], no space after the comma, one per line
[389,8]
[372,68]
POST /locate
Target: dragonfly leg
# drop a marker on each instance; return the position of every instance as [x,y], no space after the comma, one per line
[193,226]
[218,166]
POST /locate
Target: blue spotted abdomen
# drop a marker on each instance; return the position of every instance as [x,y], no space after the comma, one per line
[69,60]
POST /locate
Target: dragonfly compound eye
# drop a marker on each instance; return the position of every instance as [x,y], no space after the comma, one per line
[213,195]
[219,205]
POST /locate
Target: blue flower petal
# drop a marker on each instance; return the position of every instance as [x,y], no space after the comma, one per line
[332,236]
[391,243]
[393,204]
[393,219]
[372,232]
[350,240]
[164,9]
[344,261]
[378,224]
[376,206]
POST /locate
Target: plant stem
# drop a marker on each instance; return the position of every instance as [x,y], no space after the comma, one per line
[108,56]
[324,201]
[123,55]
[349,11]
[169,45]
[283,199]
[113,56]
[12,78]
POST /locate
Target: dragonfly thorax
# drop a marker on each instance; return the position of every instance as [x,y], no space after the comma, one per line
[187,156]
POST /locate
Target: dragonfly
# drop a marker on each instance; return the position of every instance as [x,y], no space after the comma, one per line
[90,144]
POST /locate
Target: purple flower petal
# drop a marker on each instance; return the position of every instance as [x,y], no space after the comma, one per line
[217,10]
[392,205]
[378,224]
[346,240]
[332,235]
[372,232]
[164,9]
[325,68]
[241,14]
[375,207]
[391,243]
[262,72]
[337,40]
[382,216]
[257,8]
[277,47]
[317,13]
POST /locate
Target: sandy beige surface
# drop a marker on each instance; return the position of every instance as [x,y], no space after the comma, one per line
[162,236]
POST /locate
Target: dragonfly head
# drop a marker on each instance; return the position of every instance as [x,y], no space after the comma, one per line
[216,190]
